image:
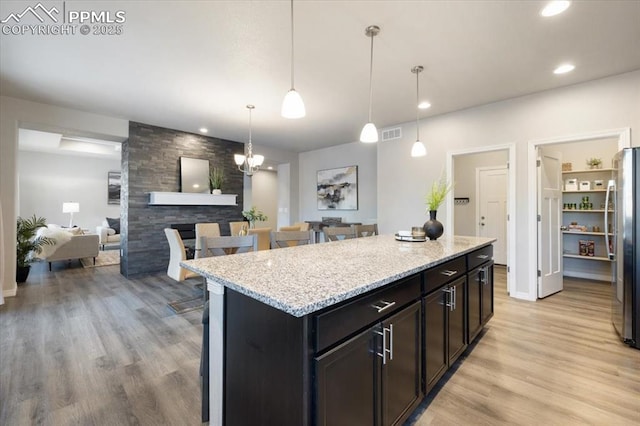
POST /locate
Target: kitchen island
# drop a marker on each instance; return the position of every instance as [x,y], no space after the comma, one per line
[348,332]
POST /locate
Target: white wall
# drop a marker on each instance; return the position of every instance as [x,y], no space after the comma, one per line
[608,103]
[47,180]
[16,113]
[465,186]
[356,153]
[264,188]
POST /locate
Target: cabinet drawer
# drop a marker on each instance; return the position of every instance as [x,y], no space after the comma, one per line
[336,324]
[442,274]
[480,256]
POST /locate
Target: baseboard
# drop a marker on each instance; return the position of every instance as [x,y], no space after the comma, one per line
[525,296]
[587,276]
[10,292]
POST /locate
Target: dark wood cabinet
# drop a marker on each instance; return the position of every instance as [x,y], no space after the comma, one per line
[444,329]
[480,299]
[373,378]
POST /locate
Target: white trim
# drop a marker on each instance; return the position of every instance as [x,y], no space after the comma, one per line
[587,276]
[11,292]
[511,208]
[624,141]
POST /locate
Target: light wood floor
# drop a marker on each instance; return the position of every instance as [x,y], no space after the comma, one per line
[88,347]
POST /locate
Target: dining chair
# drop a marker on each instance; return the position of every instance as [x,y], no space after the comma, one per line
[365,230]
[290,228]
[211,229]
[336,233]
[283,239]
[263,237]
[222,246]
[304,226]
[236,227]
[177,254]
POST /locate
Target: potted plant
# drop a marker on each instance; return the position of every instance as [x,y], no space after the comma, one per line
[594,163]
[28,244]
[254,215]
[439,190]
[216,179]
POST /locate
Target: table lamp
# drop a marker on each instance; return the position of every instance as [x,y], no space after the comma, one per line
[71,208]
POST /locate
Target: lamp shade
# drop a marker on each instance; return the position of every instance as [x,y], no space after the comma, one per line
[239,159]
[418,149]
[369,133]
[70,207]
[292,105]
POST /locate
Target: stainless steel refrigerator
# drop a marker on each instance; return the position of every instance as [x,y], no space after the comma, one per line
[623,193]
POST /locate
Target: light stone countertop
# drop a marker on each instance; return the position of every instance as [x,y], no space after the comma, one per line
[304,279]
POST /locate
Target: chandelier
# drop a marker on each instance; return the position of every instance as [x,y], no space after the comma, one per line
[249,164]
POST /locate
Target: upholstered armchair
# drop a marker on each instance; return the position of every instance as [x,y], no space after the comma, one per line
[107,235]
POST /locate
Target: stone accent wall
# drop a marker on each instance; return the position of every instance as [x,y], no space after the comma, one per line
[151,162]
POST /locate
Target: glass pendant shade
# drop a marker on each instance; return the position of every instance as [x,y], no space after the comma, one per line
[239,159]
[292,106]
[369,133]
[418,149]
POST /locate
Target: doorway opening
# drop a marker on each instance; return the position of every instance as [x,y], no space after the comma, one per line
[479,205]
[568,220]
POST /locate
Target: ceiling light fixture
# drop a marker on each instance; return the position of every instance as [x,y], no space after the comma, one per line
[203,130]
[555,8]
[249,164]
[564,68]
[424,105]
[292,105]
[418,149]
[369,132]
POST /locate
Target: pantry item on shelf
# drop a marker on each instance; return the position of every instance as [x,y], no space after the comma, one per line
[585,185]
[598,184]
[586,248]
[566,167]
[571,184]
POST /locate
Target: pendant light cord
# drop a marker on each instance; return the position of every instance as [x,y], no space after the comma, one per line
[371,78]
[417,103]
[292,86]
[249,147]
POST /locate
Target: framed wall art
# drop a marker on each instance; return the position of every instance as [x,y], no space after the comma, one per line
[337,189]
[113,188]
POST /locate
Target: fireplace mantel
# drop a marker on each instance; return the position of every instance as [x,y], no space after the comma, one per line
[191,199]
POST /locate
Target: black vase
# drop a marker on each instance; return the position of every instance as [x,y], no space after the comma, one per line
[22,272]
[433,228]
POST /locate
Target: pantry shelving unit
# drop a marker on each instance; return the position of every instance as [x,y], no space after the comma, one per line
[597,266]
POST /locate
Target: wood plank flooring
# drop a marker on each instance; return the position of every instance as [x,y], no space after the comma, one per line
[89,347]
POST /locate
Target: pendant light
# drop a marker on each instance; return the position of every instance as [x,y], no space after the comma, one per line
[292,105]
[249,164]
[369,132]
[418,149]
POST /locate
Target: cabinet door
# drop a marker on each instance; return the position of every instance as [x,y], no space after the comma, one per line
[457,341]
[345,383]
[487,292]
[402,373]
[474,300]
[435,340]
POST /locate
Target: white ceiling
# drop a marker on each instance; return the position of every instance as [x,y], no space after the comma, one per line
[188,64]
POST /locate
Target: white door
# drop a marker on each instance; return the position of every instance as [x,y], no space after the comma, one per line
[549,220]
[491,213]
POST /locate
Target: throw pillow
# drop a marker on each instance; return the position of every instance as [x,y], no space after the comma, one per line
[114,223]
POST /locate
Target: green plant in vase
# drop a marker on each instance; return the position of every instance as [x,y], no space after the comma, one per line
[594,163]
[254,215]
[439,190]
[216,179]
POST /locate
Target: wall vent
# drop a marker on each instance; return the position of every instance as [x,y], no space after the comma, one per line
[390,134]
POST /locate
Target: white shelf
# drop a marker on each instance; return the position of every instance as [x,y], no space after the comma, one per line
[588,171]
[584,233]
[191,199]
[577,256]
[583,192]
[584,211]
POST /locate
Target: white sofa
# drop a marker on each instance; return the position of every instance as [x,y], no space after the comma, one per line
[78,247]
[107,235]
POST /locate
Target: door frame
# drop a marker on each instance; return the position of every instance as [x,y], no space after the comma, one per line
[511,203]
[484,169]
[624,141]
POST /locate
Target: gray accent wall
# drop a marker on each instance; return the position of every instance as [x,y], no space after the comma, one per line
[151,162]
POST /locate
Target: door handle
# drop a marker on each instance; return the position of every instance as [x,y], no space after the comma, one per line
[482,256]
[451,303]
[448,273]
[383,333]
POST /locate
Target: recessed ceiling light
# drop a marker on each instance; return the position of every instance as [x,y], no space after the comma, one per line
[563,69]
[203,130]
[270,168]
[424,105]
[555,7]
